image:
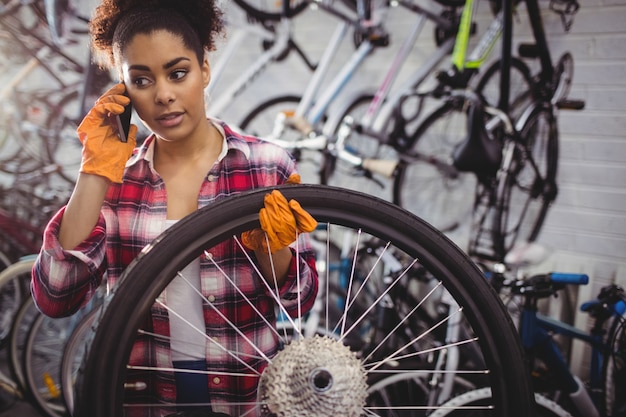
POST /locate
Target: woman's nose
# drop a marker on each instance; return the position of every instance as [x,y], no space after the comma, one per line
[164,94]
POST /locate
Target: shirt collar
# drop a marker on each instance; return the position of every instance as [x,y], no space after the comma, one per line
[231,140]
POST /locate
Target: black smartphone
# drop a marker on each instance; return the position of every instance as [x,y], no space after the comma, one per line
[123,122]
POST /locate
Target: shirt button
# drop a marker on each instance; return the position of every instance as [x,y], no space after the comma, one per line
[211,177]
[211,298]
[216,380]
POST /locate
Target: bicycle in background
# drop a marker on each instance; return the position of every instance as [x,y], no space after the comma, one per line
[509,148]
[558,391]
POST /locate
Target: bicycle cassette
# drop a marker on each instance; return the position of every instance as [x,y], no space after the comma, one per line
[313,377]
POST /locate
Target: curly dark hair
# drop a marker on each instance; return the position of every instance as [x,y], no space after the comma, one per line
[116,22]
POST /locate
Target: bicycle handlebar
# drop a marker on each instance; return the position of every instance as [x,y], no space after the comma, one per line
[545,285]
[569,278]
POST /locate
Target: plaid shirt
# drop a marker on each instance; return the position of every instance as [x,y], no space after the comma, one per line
[133,214]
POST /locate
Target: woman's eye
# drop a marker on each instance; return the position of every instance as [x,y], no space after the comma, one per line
[178,74]
[140,81]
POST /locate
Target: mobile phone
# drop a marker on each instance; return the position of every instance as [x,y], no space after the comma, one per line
[123,122]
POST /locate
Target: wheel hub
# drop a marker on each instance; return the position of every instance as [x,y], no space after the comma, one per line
[315,376]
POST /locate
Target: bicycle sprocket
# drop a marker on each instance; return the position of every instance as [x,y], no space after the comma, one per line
[313,377]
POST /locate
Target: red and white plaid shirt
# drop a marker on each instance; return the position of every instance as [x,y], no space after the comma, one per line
[133,215]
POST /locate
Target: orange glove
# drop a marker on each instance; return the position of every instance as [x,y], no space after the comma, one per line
[103,152]
[280,221]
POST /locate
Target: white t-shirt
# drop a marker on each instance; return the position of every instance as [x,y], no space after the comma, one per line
[188,336]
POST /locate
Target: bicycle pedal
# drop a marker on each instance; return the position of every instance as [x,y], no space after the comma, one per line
[570,104]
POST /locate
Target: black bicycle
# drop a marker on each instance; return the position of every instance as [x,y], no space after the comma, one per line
[505,141]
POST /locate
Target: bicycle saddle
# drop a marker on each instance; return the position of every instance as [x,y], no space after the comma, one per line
[479,153]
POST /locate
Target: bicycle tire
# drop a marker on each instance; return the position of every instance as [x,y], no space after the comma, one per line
[41,363]
[468,405]
[263,10]
[12,292]
[101,389]
[524,196]
[62,145]
[337,173]
[73,355]
[19,270]
[19,332]
[427,183]
[260,122]
[614,368]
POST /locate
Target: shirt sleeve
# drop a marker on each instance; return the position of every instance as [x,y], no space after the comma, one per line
[64,280]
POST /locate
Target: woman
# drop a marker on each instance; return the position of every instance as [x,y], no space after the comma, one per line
[124,198]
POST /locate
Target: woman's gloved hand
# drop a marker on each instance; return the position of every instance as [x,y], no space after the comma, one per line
[281,221]
[103,152]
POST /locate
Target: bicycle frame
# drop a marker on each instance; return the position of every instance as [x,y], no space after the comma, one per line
[537,333]
[281,43]
[382,106]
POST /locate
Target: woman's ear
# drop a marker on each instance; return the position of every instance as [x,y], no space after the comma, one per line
[206,72]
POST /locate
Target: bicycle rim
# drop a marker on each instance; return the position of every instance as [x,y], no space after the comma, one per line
[409,240]
[428,185]
[41,363]
[465,405]
[528,187]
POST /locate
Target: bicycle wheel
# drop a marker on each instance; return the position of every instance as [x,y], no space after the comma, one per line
[261,120]
[520,86]
[19,332]
[471,404]
[13,290]
[102,387]
[73,355]
[427,183]
[614,368]
[41,363]
[62,145]
[263,10]
[339,173]
[528,186]
[401,389]
[17,276]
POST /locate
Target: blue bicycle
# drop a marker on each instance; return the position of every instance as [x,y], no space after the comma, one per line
[558,391]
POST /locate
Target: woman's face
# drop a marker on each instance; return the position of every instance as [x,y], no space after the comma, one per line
[166,84]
